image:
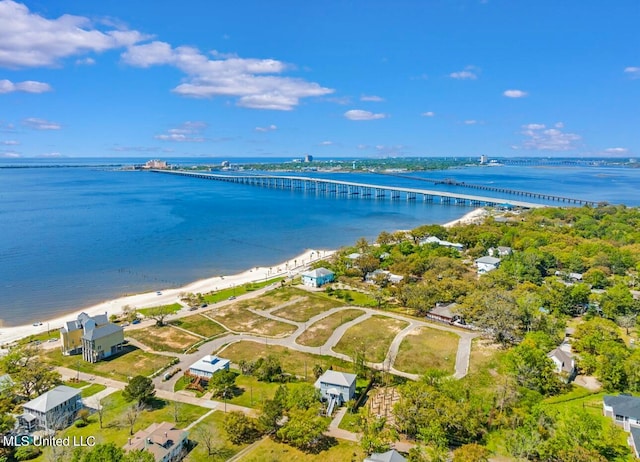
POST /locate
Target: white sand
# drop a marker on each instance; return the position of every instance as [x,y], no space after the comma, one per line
[290,267]
[475,216]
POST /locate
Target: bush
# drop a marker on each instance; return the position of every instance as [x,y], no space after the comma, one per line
[80,423]
[27,452]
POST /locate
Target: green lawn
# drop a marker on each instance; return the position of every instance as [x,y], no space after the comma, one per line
[373,337]
[214,426]
[307,306]
[172,309]
[236,317]
[318,333]
[214,297]
[252,393]
[350,422]
[132,362]
[268,450]
[293,362]
[200,325]
[92,390]
[353,297]
[165,338]
[427,348]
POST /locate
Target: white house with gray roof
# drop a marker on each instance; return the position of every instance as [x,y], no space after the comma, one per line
[317,277]
[53,410]
[208,365]
[564,362]
[486,264]
[390,456]
[625,411]
[337,383]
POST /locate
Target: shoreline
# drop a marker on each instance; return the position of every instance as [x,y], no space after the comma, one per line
[288,267]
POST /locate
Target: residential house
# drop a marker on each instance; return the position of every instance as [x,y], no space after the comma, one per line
[208,365]
[435,240]
[486,264]
[389,456]
[162,440]
[92,336]
[374,276]
[53,410]
[444,312]
[500,251]
[340,385]
[564,362]
[317,277]
[625,411]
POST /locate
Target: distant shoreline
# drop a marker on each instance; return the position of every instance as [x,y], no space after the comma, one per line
[288,267]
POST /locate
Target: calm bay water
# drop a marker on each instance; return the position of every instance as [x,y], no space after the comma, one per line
[72,237]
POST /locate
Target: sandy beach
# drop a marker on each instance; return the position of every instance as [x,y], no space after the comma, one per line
[289,267]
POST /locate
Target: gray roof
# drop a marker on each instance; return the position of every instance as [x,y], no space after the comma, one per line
[635,435]
[102,331]
[343,379]
[488,260]
[444,310]
[54,397]
[318,272]
[625,405]
[389,456]
[564,357]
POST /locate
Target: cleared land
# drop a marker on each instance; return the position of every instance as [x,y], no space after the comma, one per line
[220,295]
[173,308]
[132,362]
[269,450]
[200,325]
[212,426]
[371,338]
[165,338]
[252,393]
[306,305]
[318,333]
[236,317]
[425,348]
[292,361]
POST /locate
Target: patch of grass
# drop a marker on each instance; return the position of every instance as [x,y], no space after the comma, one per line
[269,450]
[252,393]
[350,422]
[214,297]
[372,337]
[236,317]
[353,297]
[200,325]
[172,309]
[92,389]
[425,348]
[308,306]
[293,362]
[484,366]
[132,361]
[76,384]
[213,424]
[165,338]
[318,333]
[42,337]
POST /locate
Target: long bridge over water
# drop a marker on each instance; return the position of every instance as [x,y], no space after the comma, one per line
[351,189]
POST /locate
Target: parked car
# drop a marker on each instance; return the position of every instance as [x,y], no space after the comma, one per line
[135,321]
[233,297]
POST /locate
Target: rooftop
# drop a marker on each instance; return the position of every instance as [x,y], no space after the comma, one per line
[210,363]
[625,405]
[54,397]
[343,379]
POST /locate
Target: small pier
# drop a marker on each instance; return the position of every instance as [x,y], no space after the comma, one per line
[360,190]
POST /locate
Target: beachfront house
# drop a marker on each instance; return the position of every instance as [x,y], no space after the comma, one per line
[625,411]
[336,387]
[317,277]
[92,336]
[53,410]
[162,440]
[205,367]
[486,264]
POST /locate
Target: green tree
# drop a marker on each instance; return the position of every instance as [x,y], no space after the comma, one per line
[532,369]
[471,453]
[139,388]
[239,428]
[159,314]
[376,435]
[304,429]
[616,301]
[268,369]
[305,396]
[223,384]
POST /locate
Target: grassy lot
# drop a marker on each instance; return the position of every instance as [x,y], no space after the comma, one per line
[132,362]
[236,317]
[116,430]
[308,306]
[164,338]
[427,348]
[53,332]
[350,422]
[270,451]
[200,325]
[172,309]
[373,336]
[76,384]
[224,294]
[92,390]
[293,362]
[353,297]
[252,393]
[318,333]
[485,367]
[213,424]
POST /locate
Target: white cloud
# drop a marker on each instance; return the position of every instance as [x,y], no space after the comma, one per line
[187,132]
[469,73]
[359,114]
[515,93]
[85,62]
[9,154]
[428,114]
[30,40]
[10,143]
[269,128]
[372,98]
[326,143]
[40,124]
[28,86]
[633,71]
[540,138]
[616,150]
[559,125]
[470,122]
[250,80]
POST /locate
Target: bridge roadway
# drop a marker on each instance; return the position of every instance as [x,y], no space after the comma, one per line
[348,188]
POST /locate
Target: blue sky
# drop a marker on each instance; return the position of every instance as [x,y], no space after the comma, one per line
[335,78]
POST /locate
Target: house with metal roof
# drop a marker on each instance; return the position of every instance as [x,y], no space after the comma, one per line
[624,409]
[486,264]
[54,410]
[336,387]
[162,440]
[389,456]
[317,277]
[564,362]
[92,336]
[208,365]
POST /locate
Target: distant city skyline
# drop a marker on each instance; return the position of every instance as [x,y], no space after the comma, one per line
[333,79]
